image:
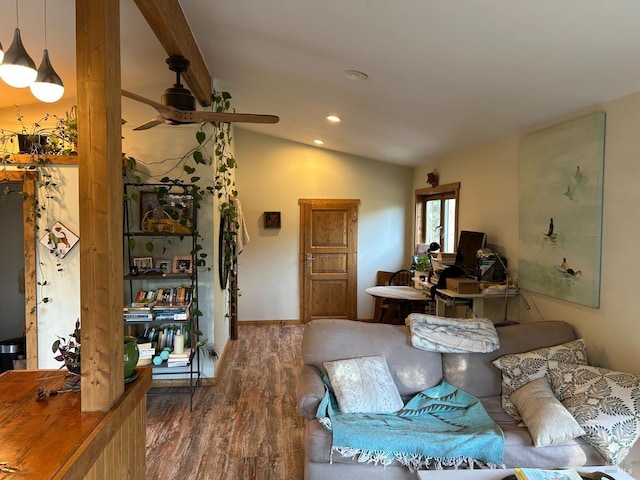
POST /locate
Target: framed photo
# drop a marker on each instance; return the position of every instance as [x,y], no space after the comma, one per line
[59,239]
[182,264]
[171,213]
[163,264]
[272,220]
[142,263]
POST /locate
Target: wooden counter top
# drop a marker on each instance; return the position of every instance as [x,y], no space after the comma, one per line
[52,438]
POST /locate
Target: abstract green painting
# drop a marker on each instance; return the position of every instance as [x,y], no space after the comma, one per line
[561,180]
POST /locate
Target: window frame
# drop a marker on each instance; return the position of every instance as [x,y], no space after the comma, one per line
[422,195]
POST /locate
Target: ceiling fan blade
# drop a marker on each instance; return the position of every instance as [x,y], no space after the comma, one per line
[139,98]
[235,117]
[150,124]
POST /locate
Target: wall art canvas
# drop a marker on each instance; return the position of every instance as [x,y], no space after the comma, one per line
[561,180]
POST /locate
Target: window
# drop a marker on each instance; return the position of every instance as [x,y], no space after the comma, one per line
[437,216]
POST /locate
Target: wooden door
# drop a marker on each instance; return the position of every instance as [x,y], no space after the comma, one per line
[328,259]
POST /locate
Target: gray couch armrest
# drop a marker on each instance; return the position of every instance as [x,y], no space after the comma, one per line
[310,391]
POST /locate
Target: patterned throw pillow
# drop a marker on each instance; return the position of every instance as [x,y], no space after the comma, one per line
[605,403]
[548,421]
[364,385]
[518,369]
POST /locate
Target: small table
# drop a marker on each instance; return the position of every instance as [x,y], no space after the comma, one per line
[487,474]
[403,298]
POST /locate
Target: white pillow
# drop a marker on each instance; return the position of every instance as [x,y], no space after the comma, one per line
[518,369]
[548,421]
[364,385]
[605,403]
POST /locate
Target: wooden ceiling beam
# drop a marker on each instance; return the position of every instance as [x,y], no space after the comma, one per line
[167,20]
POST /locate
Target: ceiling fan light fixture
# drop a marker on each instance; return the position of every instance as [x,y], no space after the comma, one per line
[179,97]
[48,86]
[333,118]
[356,75]
[17,68]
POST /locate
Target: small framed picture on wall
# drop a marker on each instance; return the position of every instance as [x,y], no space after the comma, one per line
[272,220]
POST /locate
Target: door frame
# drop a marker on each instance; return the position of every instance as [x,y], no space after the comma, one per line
[29,182]
[353,253]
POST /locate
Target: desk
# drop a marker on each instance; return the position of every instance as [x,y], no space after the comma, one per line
[402,300]
[477,300]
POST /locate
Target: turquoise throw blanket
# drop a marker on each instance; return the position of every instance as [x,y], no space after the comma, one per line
[439,427]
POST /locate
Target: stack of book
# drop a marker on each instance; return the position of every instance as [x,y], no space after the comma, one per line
[146,354]
[179,359]
[133,313]
[170,313]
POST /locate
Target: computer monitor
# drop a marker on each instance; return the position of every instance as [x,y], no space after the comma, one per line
[468,246]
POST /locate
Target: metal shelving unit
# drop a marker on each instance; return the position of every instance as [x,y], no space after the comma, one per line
[149,218]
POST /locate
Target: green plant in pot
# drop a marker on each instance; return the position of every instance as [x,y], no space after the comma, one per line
[68,351]
[423,263]
[131,355]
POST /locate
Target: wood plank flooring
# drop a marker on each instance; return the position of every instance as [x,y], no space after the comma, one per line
[245,427]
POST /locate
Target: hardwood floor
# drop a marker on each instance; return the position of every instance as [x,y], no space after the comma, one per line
[245,427]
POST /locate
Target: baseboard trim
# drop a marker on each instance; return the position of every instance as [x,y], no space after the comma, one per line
[258,323]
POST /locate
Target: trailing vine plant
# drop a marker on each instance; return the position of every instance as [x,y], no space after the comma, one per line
[224,185]
[39,142]
[212,149]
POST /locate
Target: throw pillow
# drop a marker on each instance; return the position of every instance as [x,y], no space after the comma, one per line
[548,421]
[604,402]
[364,385]
[518,369]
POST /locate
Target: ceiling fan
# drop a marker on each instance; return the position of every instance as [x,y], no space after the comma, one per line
[178,104]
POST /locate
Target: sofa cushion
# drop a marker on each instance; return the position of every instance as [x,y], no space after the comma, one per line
[604,402]
[474,373]
[363,385]
[413,370]
[518,369]
[548,421]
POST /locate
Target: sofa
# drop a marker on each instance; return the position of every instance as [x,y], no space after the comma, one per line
[414,370]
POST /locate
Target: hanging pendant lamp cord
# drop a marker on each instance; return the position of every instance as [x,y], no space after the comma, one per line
[45,25]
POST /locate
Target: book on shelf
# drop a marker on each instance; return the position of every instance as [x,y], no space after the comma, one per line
[184,363]
[145,298]
[544,474]
[178,296]
[172,315]
[133,308]
[138,317]
[186,353]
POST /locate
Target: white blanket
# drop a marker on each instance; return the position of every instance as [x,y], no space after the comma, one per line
[452,335]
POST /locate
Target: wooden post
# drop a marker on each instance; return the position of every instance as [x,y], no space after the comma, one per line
[100,191]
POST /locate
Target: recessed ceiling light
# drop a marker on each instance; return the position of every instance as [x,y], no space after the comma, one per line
[317,141]
[356,75]
[333,118]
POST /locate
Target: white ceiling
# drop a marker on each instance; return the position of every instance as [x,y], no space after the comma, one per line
[443,74]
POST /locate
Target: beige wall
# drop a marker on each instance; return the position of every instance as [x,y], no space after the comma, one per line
[157,150]
[272,175]
[489,202]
